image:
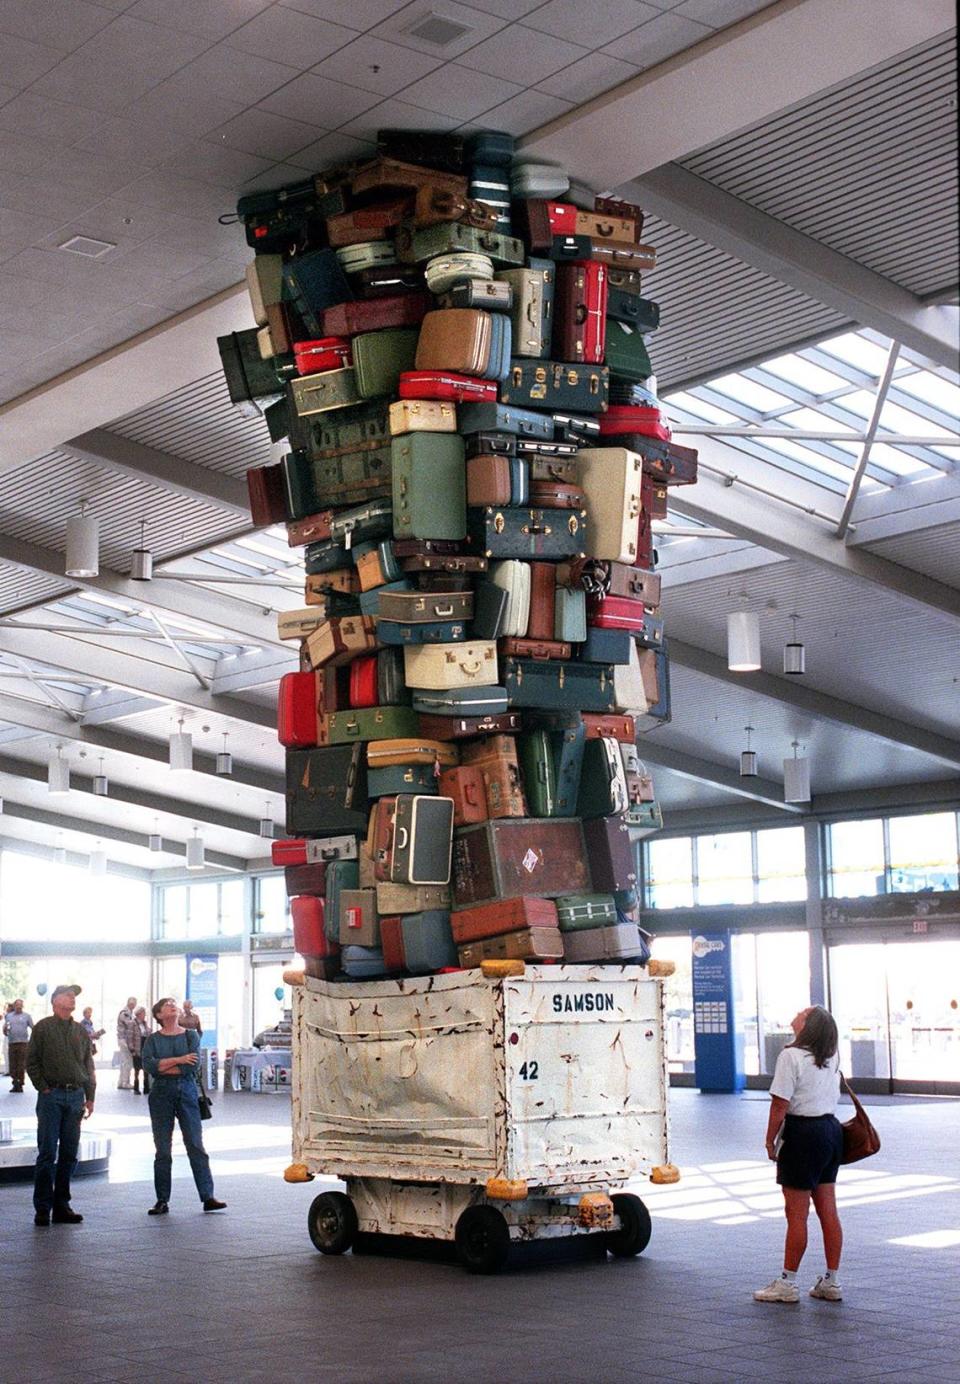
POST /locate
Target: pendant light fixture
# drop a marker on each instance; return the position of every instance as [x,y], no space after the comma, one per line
[98,861]
[796,777]
[266,823]
[224,758]
[794,654]
[181,750]
[141,565]
[748,758]
[83,544]
[743,641]
[101,786]
[58,773]
[195,852]
[155,840]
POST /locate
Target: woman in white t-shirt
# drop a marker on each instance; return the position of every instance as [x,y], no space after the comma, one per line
[805,1139]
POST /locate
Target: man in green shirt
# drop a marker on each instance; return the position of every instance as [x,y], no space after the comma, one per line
[60,1065]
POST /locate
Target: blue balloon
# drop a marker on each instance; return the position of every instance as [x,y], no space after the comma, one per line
[42,988]
[278,993]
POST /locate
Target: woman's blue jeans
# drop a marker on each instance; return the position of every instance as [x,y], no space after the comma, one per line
[170,1101]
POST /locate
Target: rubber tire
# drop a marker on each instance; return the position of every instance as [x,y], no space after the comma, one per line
[482,1239]
[635,1227]
[332,1222]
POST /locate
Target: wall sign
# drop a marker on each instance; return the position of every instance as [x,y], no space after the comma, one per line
[202,980]
[717,1047]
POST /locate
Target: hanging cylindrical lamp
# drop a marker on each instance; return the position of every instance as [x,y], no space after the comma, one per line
[101,786]
[796,777]
[181,750]
[195,852]
[83,544]
[224,758]
[58,773]
[794,654]
[98,861]
[266,823]
[155,840]
[141,564]
[60,851]
[748,758]
[743,641]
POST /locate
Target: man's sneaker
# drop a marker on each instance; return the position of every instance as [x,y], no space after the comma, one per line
[778,1291]
[830,1292]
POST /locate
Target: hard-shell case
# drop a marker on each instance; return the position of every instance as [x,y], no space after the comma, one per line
[557,685]
[619,942]
[327,790]
[576,912]
[581,312]
[428,943]
[520,856]
[429,487]
[529,944]
[611,856]
[506,915]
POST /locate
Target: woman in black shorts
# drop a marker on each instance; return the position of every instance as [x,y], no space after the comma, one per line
[804,1128]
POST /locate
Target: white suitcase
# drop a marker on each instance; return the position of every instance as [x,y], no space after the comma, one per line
[438,666]
[628,691]
[264,285]
[444,270]
[368,254]
[610,477]
[532,313]
[513,577]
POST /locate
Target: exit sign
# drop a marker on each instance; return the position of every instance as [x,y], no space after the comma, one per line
[919,924]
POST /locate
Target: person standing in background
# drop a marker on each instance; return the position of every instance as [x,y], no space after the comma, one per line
[127,1035]
[17,1027]
[188,1019]
[60,1065]
[86,1023]
[143,1033]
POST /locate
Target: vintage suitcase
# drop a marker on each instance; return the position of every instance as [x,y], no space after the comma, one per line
[469,727]
[640,313]
[538,220]
[384,754]
[297,624]
[327,790]
[490,184]
[496,758]
[532,312]
[570,614]
[655,672]
[388,281]
[429,486]
[603,784]
[621,230]
[443,271]
[552,384]
[309,935]
[329,389]
[402,778]
[635,583]
[313,283]
[576,912]
[420,840]
[611,854]
[420,607]
[301,708]
[380,357]
[374,723]
[383,174]
[506,915]
[267,495]
[311,528]
[617,727]
[428,943]
[628,684]
[366,254]
[619,942]
[627,355]
[363,963]
[530,944]
[452,238]
[482,444]
[391,943]
[305,879]
[377,566]
[554,494]
[358,923]
[346,318]
[309,852]
[252,382]
[470,664]
[611,478]
[550,471]
[543,584]
[442,632]
[434,206]
[529,179]
[264,278]
[514,578]
[629,421]
[431,148]
[617,613]
[331,589]
[634,393]
[465,786]
[411,898]
[639,782]
[326,353]
[535,648]
[581,312]
[489,610]
[364,224]
[456,701]
[539,773]
[446,385]
[488,480]
[494,418]
[340,640]
[606,646]
[559,686]
[422,415]
[490,294]
[642,820]
[527,533]
[362,523]
[276,218]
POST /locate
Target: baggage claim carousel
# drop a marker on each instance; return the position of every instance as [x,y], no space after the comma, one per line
[18,1153]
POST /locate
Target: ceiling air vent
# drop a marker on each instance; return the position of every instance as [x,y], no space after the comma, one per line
[88,247]
[437,30]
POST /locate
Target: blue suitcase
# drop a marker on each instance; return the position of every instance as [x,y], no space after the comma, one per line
[519,481]
[428,943]
[433,632]
[370,600]
[522,422]
[570,614]
[557,686]
[363,963]
[606,646]
[461,701]
[501,344]
[314,282]
[401,778]
[569,744]
[325,556]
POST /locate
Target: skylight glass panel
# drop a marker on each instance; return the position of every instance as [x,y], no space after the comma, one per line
[897,419]
[933,390]
[798,452]
[893,459]
[802,372]
[755,396]
[811,420]
[857,351]
[951,453]
[700,408]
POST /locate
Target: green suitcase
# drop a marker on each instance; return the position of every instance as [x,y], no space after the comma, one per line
[379,359]
[352,477]
[554,384]
[451,238]
[365,425]
[299,491]
[580,911]
[328,389]
[375,723]
[429,486]
[539,771]
[627,356]
[570,614]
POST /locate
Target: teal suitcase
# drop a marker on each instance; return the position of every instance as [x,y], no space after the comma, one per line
[557,686]
[429,486]
[570,614]
[626,355]
[578,911]
[569,745]
[557,385]
[341,875]
[452,238]
[402,778]
[379,359]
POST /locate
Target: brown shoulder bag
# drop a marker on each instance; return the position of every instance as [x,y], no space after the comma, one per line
[860,1139]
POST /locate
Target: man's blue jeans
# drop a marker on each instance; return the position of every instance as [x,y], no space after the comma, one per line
[58,1142]
[177,1100]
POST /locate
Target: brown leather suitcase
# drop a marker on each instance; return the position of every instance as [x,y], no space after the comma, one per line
[613,727]
[267,495]
[554,494]
[391,943]
[496,758]
[506,915]
[529,944]
[540,856]
[469,727]
[634,581]
[466,787]
[488,480]
[312,529]
[610,853]
[340,640]
[435,205]
[543,584]
[455,339]
[547,468]
[367,223]
[538,649]
[318,585]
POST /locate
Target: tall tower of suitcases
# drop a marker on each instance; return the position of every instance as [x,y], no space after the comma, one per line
[452,343]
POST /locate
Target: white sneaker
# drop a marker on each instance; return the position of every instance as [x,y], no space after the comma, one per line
[778,1291]
[830,1292]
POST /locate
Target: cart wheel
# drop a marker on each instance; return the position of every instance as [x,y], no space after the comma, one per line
[332,1222]
[635,1227]
[482,1239]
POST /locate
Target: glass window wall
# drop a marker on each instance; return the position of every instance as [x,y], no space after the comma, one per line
[897,855]
[678,997]
[731,867]
[47,902]
[272,909]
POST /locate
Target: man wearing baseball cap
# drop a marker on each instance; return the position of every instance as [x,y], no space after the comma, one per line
[60,1065]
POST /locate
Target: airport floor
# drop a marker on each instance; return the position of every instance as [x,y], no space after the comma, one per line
[244,1296]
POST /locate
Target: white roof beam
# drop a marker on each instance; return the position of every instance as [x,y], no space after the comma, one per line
[114,453]
[690,766]
[59,821]
[103,706]
[239,672]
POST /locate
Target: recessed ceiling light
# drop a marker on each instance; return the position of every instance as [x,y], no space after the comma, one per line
[437,30]
[88,247]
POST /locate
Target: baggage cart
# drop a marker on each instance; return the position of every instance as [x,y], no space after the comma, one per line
[484,1107]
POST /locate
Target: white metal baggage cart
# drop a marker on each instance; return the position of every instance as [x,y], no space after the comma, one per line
[483,1107]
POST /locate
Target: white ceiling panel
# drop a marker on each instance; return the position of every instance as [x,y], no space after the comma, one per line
[935,552]
[201,425]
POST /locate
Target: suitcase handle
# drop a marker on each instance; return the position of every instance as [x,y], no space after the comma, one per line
[536,528]
[402,839]
[443,612]
[470,665]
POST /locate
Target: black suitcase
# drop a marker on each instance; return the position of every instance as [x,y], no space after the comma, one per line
[327,791]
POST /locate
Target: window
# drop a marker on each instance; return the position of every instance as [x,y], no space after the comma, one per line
[781,865]
[923,852]
[232,908]
[724,868]
[209,908]
[669,872]
[678,1000]
[856,859]
[273,907]
[733,867]
[58,903]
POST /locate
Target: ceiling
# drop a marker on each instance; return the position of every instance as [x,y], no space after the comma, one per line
[139,123]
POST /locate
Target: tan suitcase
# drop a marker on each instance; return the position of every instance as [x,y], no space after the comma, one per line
[439,666]
[496,758]
[340,640]
[422,415]
[410,898]
[456,339]
[611,477]
[298,624]
[529,944]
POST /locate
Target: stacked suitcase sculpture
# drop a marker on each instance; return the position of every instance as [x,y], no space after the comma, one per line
[453,346]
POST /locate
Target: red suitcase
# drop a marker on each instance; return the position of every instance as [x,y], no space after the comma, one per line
[267,494]
[615,612]
[445,384]
[506,915]
[301,707]
[538,221]
[314,529]
[309,937]
[391,943]
[466,787]
[634,418]
[349,319]
[580,312]
[325,353]
[538,649]
[466,727]
[367,223]
[306,879]
[613,727]
[543,584]
[291,851]
[363,682]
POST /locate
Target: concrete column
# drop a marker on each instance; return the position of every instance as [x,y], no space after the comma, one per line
[813,861]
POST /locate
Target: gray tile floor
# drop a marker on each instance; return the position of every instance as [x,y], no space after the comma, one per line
[243,1296]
